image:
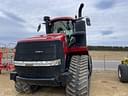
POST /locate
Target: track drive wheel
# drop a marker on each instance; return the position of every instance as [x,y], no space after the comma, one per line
[23,87]
[78,84]
[123,72]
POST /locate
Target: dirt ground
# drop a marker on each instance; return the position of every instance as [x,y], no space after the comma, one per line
[104,83]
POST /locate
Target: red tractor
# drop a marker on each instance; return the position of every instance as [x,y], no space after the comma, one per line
[59,58]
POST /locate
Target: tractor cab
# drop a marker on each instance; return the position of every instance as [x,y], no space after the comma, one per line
[73,28]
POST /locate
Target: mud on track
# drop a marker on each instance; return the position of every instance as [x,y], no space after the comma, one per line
[104,83]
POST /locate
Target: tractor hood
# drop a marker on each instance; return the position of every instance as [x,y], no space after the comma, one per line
[47,37]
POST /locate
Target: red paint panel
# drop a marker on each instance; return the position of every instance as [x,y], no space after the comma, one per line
[48,37]
[61,18]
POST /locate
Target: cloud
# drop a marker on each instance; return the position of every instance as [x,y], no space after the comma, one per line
[14,17]
[112,19]
[106,32]
[12,27]
[105,4]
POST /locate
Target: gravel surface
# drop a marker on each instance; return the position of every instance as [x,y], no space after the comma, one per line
[104,83]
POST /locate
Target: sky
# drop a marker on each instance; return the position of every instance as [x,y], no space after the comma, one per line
[109,19]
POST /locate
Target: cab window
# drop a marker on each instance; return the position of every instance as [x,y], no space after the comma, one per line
[62,27]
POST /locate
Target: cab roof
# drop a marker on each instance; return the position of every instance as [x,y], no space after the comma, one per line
[61,18]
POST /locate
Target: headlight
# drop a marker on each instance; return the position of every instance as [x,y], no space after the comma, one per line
[38,63]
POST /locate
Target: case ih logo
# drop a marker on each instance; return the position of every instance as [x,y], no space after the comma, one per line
[39,51]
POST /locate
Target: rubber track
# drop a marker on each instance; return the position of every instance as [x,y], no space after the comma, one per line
[22,87]
[78,84]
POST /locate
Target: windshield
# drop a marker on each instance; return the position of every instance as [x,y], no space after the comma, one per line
[62,27]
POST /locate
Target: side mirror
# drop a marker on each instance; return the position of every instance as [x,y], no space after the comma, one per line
[39,27]
[80,26]
[88,22]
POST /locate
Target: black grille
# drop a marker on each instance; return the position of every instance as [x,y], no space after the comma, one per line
[38,72]
[38,51]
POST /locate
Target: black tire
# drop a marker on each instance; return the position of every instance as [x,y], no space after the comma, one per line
[23,87]
[78,84]
[123,72]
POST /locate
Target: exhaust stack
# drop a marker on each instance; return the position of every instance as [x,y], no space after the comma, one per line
[80,10]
